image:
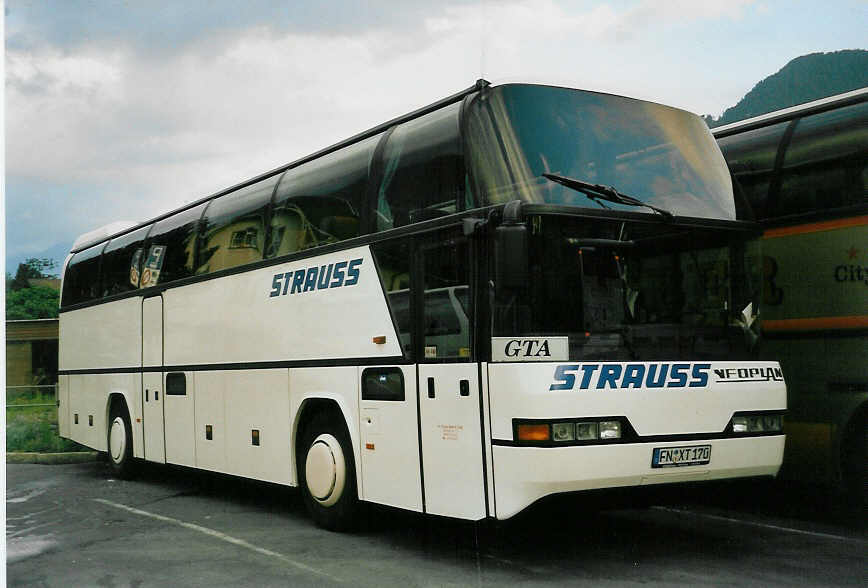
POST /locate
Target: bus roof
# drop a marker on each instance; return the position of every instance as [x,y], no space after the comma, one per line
[93,237]
[792,112]
[114,230]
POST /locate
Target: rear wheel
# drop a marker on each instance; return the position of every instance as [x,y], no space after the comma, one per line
[856,466]
[327,473]
[854,462]
[120,441]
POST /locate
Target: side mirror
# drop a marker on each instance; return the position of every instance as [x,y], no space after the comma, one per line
[510,250]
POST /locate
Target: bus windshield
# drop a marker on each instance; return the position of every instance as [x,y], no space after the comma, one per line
[636,291]
[663,156]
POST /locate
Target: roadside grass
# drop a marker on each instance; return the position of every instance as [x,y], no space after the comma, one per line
[34,428]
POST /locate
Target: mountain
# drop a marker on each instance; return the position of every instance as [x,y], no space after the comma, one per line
[805,78]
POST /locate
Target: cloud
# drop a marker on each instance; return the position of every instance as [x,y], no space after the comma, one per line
[125,110]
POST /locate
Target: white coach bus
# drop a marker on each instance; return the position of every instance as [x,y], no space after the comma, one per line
[453,313]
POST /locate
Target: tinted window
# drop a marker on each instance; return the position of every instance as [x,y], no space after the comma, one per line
[172,248]
[122,261]
[423,171]
[751,157]
[81,281]
[393,263]
[661,155]
[233,230]
[383,384]
[826,163]
[176,384]
[447,280]
[319,202]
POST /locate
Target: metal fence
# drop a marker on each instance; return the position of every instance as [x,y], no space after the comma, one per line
[31,420]
[31,396]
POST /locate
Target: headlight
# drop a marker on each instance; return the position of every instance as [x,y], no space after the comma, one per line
[757,423]
[610,429]
[587,431]
[570,432]
[563,431]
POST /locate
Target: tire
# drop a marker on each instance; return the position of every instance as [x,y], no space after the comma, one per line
[856,467]
[327,473]
[119,442]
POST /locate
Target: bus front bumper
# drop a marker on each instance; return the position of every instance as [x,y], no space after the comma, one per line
[523,475]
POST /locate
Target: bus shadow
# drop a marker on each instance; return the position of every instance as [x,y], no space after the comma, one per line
[578,534]
[784,499]
[180,481]
[554,536]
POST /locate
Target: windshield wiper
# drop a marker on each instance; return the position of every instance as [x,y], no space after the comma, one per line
[595,191]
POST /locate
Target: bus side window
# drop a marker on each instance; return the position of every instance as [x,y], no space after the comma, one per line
[171,248]
[233,229]
[446,316]
[423,171]
[319,202]
[82,279]
[121,263]
[393,263]
[825,163]
[751,156]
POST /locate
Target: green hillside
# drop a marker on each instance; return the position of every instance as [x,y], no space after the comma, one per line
[805,78]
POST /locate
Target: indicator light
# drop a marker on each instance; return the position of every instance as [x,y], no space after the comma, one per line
[533,432]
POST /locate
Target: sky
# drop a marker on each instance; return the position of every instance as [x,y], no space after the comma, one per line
[120,110]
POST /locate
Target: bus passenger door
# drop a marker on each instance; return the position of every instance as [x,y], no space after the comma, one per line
[152,381]
[449,389]
[451,440]
[389,431]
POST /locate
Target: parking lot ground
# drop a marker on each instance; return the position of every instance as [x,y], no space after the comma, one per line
[75,525]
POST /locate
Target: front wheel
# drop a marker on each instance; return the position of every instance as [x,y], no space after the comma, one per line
[120,442]
[327,474]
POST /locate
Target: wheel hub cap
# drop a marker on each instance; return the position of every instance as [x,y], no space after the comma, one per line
[325,470]
[117,440]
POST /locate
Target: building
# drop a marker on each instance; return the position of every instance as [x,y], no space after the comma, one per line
[31,352]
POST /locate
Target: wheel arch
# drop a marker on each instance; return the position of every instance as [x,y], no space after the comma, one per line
[851,429]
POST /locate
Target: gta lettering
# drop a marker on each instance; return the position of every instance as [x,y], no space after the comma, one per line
[601,376]
[323,277]
[527,348]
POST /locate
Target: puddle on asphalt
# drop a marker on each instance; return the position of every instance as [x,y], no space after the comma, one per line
[17,499]
[19,548]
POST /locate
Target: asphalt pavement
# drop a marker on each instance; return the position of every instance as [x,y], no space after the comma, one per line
[76,525]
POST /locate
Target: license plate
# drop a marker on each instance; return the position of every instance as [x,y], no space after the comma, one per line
[676,457]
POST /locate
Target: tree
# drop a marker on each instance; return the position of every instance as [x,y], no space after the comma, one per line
[36,302]
[24,301]
[32,268]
